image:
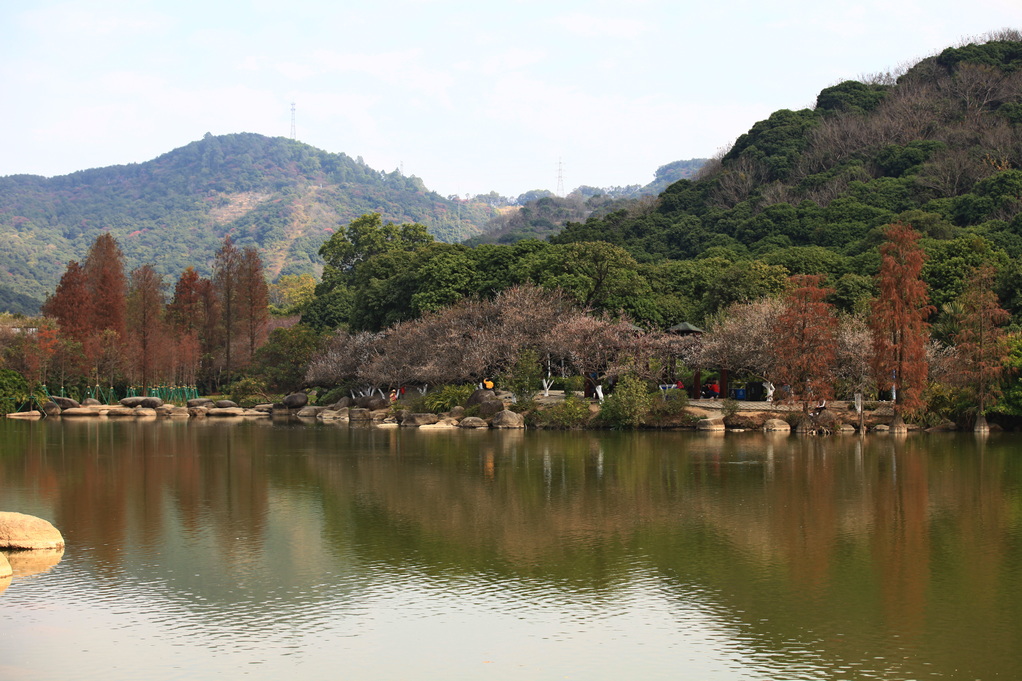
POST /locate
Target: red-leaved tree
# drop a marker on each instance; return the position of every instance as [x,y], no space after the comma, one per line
[898,322]
[805,341]
[104,268]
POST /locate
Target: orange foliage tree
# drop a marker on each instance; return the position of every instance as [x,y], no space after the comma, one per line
[805,341]
[108,286]
[899,320]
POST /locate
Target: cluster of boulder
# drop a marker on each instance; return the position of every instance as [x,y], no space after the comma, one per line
[28,545]
[490,411]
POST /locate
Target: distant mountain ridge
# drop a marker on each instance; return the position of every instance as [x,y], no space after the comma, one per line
[277,194]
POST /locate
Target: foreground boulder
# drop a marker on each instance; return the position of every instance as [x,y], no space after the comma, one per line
[508,419]
[200,402]
[473,422]
[91,402]
[20,531]
[296,400]
[132,402]
[225,404]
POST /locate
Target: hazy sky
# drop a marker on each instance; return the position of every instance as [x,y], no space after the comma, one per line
[471,97]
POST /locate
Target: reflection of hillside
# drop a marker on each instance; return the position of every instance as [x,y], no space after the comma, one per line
[840,538]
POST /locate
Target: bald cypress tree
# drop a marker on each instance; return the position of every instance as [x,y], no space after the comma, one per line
[253,298]
[71,304]
[108,286]
[899,320]
[226,270]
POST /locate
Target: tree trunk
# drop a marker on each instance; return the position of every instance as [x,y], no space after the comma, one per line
[981,424]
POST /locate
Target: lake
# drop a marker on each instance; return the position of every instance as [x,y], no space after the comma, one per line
[281,550]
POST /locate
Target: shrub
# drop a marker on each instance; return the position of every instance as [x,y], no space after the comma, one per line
[728,407]
[573,412]
[332,396]
[573,385]
[670,411]
[446,397]
[629,405]
[523,379]
[249,391]
[13,390]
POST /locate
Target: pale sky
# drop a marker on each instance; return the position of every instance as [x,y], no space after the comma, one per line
[469,96]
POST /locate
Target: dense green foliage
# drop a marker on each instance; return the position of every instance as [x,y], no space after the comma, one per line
[13,391]
[279,195]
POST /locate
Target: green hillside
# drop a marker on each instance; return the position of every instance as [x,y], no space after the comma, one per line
[173,211]
[938,146]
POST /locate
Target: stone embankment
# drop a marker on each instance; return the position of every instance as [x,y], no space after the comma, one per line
[487,408]
[492,412]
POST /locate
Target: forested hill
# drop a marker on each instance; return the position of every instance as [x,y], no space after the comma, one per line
[280,195]
[938,146]
[541,214]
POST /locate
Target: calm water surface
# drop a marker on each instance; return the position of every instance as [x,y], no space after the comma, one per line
[206,550]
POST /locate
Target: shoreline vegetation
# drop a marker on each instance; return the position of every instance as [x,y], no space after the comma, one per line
[486,409]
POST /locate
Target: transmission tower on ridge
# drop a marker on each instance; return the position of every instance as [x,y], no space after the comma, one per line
[560,178]
[293,135]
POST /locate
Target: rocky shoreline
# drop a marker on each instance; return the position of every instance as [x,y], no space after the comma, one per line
[488,410]
[363,411]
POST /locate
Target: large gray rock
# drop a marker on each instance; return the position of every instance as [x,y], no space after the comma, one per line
[479,396]
[20,531]
[151,402]
[360,415]
[777,426]
[51,408]
[132,402]
[473,422]
[507,419]
[490,408]
[342,403]
[711,424]
[78,411]
[372,402]
[225,411]
[65,402]
[310,411]
[296,400]
[91,402]
[201,402]
[120,411]
[415,420]
[225,404]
